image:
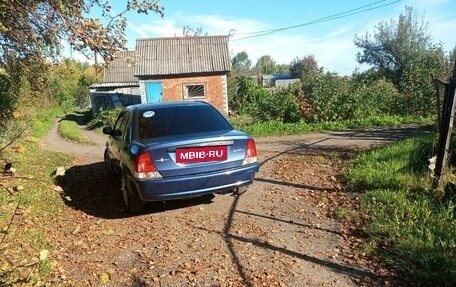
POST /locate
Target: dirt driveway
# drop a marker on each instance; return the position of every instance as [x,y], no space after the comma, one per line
[282,232]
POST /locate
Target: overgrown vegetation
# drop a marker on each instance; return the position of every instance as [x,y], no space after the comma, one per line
[410,228]
[399,84]
[103,118]
[276,127]
[27,196]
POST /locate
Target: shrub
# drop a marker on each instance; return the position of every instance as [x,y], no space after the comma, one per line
[103,118]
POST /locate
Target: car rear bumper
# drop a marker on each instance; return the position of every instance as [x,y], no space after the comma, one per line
[194,185]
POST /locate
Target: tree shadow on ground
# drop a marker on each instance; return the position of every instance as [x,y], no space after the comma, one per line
[93,190]
[81,118]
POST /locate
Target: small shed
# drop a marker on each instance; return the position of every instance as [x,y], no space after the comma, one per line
[119,87]
[184,68]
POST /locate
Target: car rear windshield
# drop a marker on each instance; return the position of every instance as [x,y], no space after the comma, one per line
[179,120]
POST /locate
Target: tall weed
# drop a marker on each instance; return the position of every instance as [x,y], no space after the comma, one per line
[410,228]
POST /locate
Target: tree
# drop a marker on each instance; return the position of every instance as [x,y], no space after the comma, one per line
[283,69]
[188,31]
[31,35]
[396,46]
[265,65]
[240,68]
[69,83]
[306,67]
[451,61]
[35,28]
[241,64]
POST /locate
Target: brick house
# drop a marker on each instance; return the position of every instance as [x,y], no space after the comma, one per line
[177,68]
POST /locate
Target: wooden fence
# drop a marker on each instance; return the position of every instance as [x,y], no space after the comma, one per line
[445,125]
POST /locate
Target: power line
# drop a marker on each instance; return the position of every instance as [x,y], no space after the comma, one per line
[338,14]
[344,14]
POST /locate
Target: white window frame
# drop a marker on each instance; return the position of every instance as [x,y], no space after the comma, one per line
[188,97]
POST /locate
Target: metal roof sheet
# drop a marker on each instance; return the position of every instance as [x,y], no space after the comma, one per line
[121,68]
[182,55]
[115,85]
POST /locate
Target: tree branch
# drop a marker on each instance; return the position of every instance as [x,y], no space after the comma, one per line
[11,142]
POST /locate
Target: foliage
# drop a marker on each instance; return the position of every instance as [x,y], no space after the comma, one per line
[36,29]
[188,31]
[31,34]
[413,231]
[241,64]
[417,87]
[395,46]
[374,99]
[271,128]
[280,105]
[240,93]
[305,68]
[104,118]
[402,52]
[329,98]
[7,103]
[69,83]
[240,67]
[265,65]
[282,69]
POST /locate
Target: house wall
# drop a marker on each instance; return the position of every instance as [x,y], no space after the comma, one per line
[173,89]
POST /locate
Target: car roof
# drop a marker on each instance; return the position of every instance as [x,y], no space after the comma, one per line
[148,106]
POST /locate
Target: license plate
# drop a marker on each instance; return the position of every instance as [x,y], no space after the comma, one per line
[201,154]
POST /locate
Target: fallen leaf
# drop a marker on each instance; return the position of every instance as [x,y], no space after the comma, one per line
[105,277]
[60,171]
[57,188]
[19,149]
[77,229]
[44,254]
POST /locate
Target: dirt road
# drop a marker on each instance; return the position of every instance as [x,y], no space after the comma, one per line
[282,232]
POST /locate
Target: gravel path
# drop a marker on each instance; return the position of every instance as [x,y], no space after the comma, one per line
[282,232]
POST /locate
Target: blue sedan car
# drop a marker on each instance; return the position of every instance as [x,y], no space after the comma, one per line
[176,150]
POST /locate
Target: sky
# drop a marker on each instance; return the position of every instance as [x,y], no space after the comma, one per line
[325,29]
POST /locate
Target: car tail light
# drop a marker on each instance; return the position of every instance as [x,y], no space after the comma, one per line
[250,152]
[144,167]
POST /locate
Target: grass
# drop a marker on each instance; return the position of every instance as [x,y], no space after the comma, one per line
[70,130]
[26,215]
[272,128]
[410,228]
[69,127]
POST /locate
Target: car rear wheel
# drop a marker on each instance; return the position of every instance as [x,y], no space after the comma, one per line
[133,203]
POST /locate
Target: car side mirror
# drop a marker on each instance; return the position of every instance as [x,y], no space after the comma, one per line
[107,130]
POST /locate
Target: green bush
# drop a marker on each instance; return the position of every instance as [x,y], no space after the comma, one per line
[103,118]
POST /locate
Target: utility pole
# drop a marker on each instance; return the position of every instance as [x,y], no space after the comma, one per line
[96,65]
